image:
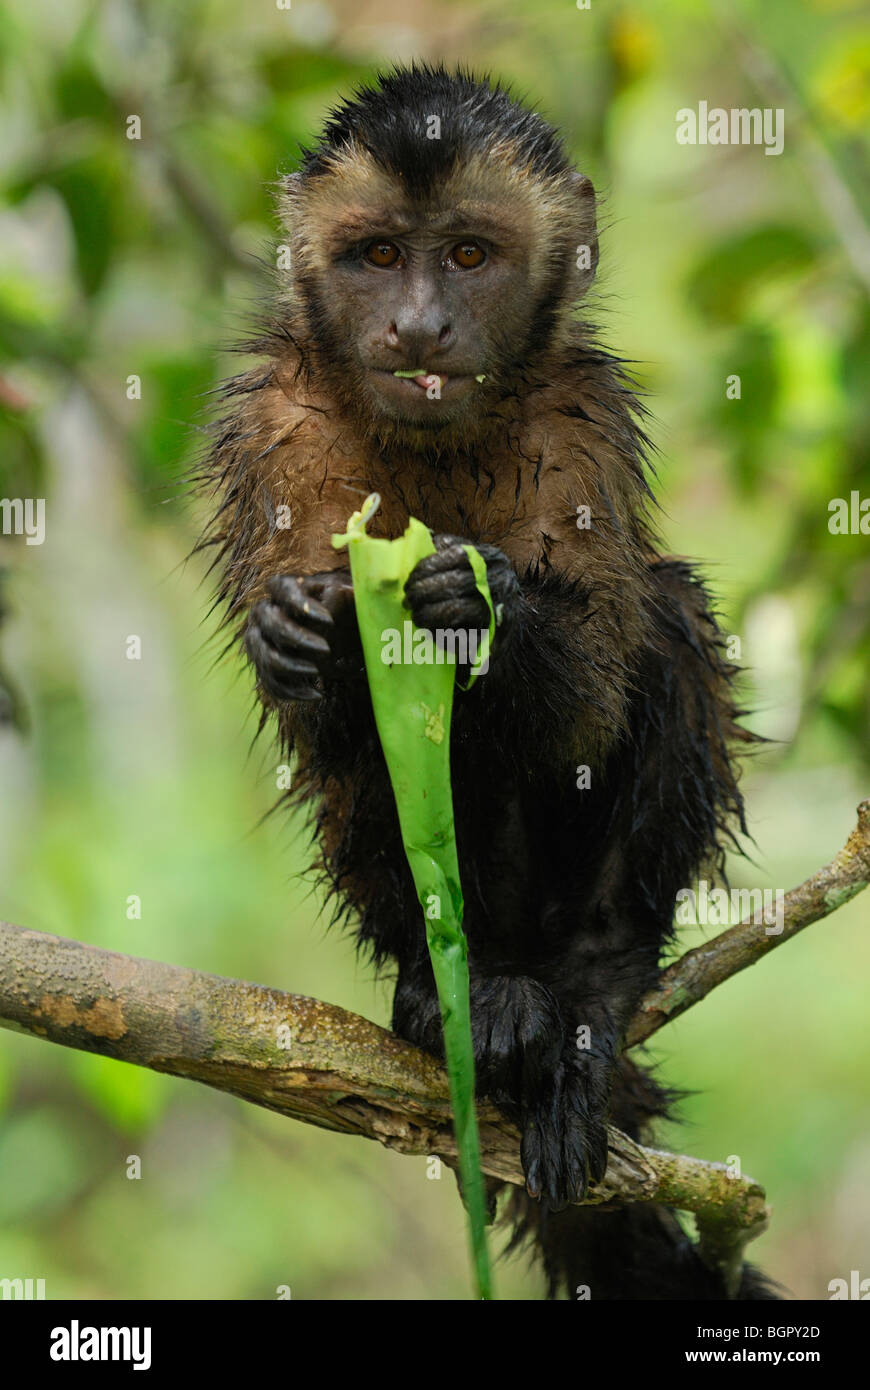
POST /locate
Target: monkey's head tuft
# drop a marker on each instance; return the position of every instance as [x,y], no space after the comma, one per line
[439,238]
[420,122]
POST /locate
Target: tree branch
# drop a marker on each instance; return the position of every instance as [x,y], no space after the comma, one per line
[322,1065]
[317,1063]
[694,975]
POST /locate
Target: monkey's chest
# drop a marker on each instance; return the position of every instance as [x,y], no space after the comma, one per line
[494,504]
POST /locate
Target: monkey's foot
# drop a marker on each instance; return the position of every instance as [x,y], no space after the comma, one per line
[564,1145]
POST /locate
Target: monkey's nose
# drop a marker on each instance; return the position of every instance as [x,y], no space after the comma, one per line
[417,339]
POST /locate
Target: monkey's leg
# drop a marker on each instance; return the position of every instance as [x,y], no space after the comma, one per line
[666,794]
[524,1062]
[516,1027]
[603,975]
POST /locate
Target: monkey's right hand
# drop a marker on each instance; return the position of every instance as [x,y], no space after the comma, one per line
[306,630]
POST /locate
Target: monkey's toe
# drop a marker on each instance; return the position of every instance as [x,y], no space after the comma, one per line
[564,1146]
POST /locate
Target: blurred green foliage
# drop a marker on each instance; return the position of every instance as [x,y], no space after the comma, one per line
[123,258]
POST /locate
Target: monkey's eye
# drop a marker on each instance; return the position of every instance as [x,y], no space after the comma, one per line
[468,255]
[382,253]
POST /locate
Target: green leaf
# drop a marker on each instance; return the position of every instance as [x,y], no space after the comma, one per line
[413,704]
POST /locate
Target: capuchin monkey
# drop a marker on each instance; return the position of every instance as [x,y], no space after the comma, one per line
[423,346]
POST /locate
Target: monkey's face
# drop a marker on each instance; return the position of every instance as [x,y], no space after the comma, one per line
[422,308]
[425,307]
[419,295]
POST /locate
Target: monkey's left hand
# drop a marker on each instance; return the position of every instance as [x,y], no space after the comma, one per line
[442,592]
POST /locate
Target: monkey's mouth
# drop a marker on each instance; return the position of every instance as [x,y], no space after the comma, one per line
[420,391]
[427,381]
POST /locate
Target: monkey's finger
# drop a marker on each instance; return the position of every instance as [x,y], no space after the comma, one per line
[333,588]
[449,616]
[280,674]
[451,555]
[288,636]
[286,688]
[267,660]
[289,592]
[441,588]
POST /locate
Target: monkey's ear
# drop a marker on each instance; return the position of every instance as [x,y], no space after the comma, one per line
[585,251]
